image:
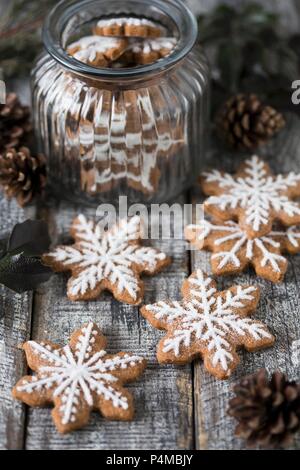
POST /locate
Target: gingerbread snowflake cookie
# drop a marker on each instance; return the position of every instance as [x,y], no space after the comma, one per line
[111,260]
[149,51]
[129,27]
[97,51]
[233,250]
[79,378]
[253,196]
[208,324]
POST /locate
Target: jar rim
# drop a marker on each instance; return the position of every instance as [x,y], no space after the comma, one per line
[59,16]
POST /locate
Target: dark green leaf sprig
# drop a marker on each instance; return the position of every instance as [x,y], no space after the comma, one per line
[248,53]
[21,268]
[20,35]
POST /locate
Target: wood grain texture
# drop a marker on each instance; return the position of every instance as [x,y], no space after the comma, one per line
[15,318]
[278,308]
[163,396]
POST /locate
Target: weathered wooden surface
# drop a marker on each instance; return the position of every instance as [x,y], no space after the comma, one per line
[177,408]
[163,396]
[278,308]
[15,321]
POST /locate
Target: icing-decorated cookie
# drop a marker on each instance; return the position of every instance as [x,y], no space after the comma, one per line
[208,324]
[233,250]
[79,378]
[253,196]
[111,260]
[97,51]
[149,51]
[129,27]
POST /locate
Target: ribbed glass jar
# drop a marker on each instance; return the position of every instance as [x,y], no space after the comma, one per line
[139,131]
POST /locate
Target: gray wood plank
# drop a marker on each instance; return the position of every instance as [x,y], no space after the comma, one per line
[15,318]
[163,396]
[279,309]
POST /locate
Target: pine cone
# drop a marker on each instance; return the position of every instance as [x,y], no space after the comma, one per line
[15,126]
[21,175]
[245,123]
[268,411]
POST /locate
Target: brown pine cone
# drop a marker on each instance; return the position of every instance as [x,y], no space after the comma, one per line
[267,411]
[15,125]
[21,175]
[245,123]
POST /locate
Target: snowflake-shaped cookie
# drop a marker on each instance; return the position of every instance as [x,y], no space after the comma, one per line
[233,250]
[78,378]
[110,260]
[253,196]
[97,51]
[209,324]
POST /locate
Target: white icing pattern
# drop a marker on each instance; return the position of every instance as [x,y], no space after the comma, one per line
[154,45]
[134,22]
[258,193]
[90,46]
[207,320]
[123,21]
[77,374]
[268,246]
[114,255]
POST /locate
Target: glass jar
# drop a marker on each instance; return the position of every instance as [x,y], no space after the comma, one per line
[106,132]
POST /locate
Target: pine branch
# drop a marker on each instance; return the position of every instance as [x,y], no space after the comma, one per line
[247,51]
[20,35]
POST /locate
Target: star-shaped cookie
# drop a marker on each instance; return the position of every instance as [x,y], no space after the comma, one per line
[79,378]
[233,250]
[97,51]
[208,324]
[253,196]
[112,260]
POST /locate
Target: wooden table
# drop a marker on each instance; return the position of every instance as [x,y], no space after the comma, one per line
[176,407]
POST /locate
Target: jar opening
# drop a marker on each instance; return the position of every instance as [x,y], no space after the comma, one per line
[70,19]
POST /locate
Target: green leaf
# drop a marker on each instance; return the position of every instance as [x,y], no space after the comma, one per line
[255,15]
[230,70]
[3,247]
[21,268]
[245,46]
[21,273]
[30,237]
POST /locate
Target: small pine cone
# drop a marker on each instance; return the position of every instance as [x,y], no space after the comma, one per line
[267,411]
[21,175]
[245,123]
[15,125]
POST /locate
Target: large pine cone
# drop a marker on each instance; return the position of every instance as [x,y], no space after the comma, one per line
[268,411]
[21,175]
[15,125]
[245,123]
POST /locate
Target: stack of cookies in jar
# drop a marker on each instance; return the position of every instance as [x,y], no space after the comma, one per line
[134,129]
[123,42]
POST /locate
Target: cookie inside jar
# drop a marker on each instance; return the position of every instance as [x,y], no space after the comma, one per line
[123,42]
[121,99]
